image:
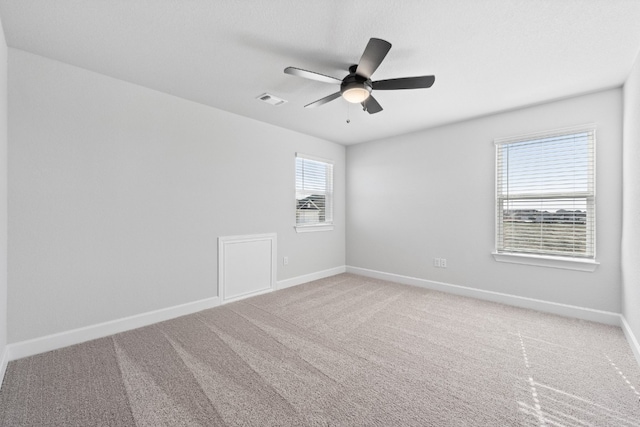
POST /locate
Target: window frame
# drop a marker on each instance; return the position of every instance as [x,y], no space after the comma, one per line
[327,224]
[587,263]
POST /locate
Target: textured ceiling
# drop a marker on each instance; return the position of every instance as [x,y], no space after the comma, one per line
[487,56]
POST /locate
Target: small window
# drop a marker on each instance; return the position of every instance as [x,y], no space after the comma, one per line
[314,193]
[545,194]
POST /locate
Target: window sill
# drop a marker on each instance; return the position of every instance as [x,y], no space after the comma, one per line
[313,228]
[567,263]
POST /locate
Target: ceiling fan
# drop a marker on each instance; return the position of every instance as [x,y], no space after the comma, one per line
[356,87]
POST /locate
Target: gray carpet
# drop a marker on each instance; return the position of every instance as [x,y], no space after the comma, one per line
[343,351]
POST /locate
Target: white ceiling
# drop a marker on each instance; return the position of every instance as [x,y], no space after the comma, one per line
[487,56]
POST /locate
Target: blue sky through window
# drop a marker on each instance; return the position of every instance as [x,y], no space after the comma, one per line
[552,167]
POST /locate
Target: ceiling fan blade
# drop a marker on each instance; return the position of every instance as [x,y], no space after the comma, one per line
[312,75]
[421,82]
[371,106]
[324,100]
[373,55]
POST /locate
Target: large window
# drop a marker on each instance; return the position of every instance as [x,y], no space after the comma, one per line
[545,194]
[314,193]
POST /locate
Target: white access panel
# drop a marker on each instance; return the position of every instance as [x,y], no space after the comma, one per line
[246,266]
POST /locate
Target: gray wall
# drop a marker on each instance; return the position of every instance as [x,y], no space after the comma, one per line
[118,193]
[431,194]
[3,192]
[631,202]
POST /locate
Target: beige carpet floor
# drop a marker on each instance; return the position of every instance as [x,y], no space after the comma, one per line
[342,351]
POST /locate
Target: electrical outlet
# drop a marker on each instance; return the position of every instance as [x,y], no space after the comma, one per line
[285,260]
[443,262]
[436,262]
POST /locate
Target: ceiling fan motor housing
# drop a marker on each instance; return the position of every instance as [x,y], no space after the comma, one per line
[355,88]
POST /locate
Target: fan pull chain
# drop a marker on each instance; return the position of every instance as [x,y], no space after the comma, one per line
[348,112]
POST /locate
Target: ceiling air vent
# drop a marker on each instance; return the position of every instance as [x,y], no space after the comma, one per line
[270,99]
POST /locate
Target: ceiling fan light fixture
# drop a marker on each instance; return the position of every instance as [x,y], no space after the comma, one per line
[355,95]
[356,92]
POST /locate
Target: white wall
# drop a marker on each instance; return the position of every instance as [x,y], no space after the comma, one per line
[431,194]
[631,202]
[118,193]
[3,196]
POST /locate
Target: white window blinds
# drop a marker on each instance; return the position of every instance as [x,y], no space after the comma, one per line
[314,191]
[545,193]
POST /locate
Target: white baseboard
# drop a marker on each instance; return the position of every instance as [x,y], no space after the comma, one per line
[631,338]
[583,313]
[76,336]
[3,364]
[287,283]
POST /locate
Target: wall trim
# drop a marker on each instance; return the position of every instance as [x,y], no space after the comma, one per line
[578,264]
[631,338]
[4,361]
[299,280]
[39,345]
[566,310]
